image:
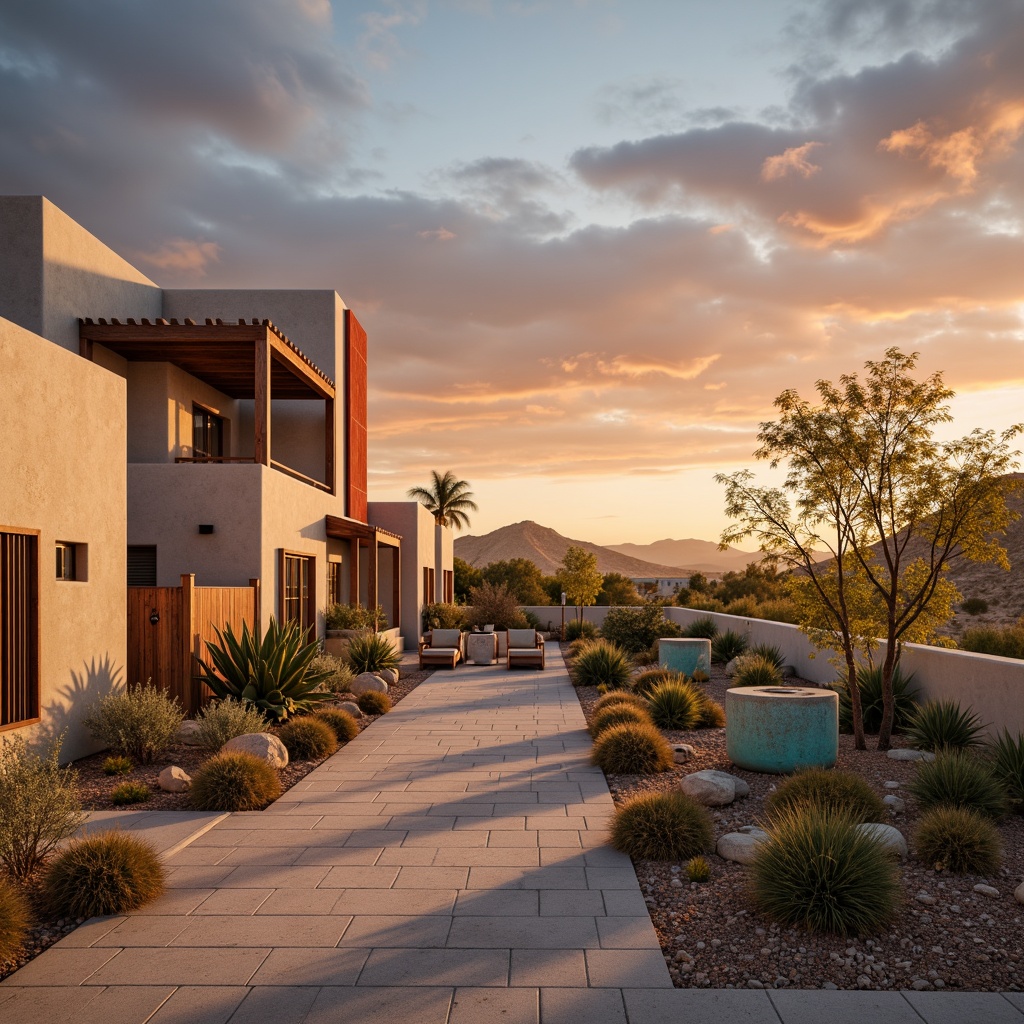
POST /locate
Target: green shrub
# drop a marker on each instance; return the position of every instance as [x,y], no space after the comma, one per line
[634,629]
[939,724]
[223,720]
[130,793]
[444,615]
[958,779]
[496,604]
[703,628]
[234,782]
[974,606]
[632,749]
[308,739]
[771,653]
[372,653]
[753,670]
[675,705]
[958,839]
[742,607]
[374,703]
[835,791]
[1008,763]
[274,672]
[139,722]
[778,610]
[620,697]
[817,870]
[661,826]
[616,715]
[14,919]
[698,869]
[118,765]
[651,656]
[351,616]
[39,806]
[869,682]
[727,645]
[344,726]
[601,662]
[533,621]
[652,677]
[711,714]
[1007,642]
[109,873]
[337,676]
[580,629]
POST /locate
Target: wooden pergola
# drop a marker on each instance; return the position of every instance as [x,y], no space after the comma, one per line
[243,360]
[372,537]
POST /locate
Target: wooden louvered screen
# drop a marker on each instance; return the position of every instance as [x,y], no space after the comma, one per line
[19,628]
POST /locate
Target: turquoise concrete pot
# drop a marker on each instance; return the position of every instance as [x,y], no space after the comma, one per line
[685,655]
[781,728]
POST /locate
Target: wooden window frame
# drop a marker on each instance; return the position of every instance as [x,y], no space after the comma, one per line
[34,651]
[211,414]
[429,584]
[335,580]
[282,563]
[448,585]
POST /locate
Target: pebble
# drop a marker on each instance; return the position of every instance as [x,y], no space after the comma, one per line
[1018,893]
[928,901]
[892,785]
[906,754]
[988,890]
[894,803]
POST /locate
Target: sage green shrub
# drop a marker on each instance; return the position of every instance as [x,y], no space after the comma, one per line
[139,721]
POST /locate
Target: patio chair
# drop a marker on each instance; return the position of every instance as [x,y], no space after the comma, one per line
[525,647]
[441,647]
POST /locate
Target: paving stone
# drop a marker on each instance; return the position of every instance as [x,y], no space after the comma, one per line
[617,968]
[370,931]
[260,931]
[193,966]
[495,1006]
[961,1007]
[701,1006]
[286,902]
[811,1006]
[586,1006]
[565,968]
[476,967]
[282,1005]
[523,933]
[571,903]
[206,1004]
[627,933]
[311,967]
[398,902]
[366,1004]
[63,966]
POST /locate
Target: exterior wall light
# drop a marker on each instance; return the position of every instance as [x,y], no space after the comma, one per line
[206,527]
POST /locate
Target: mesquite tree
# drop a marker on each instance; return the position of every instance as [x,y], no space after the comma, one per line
[869,484]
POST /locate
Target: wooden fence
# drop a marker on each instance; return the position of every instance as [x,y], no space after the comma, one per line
[168,628]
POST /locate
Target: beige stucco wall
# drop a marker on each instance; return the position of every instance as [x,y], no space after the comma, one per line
[62,462]
[444,553]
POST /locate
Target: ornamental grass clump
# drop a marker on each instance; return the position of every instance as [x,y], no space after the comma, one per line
[647,681]
[580,629]
[372,653]
[711,714]
[224,720]
[698,869]
[14,919]
[661,826]
[834,791]
[620,697]
[958,778]
[110,873]
[344,726]
[118,766]
[308,738]
[373,703]
[675,705]
[754,670]
[943,724]
[130,793]
[703,628]
[632,748]
[958,839]
[138,722]
[617,714]
[770,652]
[601,663]
[818,871]
[39,806]
[234,782]
[727,645]
[869,682]
[1007,754]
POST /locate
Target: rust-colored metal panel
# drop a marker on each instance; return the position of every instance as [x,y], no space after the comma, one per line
[355,418]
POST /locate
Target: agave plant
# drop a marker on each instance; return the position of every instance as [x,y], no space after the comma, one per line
[869,682]
[274,674]
[372,653]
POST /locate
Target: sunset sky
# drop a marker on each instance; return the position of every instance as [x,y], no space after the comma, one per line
[590,240]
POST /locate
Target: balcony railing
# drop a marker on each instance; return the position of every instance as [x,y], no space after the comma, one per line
[279,466]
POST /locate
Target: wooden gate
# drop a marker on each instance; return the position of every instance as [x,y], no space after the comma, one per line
[168,628]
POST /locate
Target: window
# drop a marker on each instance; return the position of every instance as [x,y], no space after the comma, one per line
[428,584]
[19,628]
[71,561]
[448,585]
[207,434]
[334,581]
[297,585]
[142,565]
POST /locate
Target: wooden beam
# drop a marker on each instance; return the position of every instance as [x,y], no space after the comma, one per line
[189,686]
[396,586]
[257,622]
[299,367]
[371,574]
[261,414]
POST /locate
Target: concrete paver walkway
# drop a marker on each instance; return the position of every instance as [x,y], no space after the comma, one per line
[446,867]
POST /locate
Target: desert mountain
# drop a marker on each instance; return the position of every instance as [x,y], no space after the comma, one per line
[694,554]
[546,548]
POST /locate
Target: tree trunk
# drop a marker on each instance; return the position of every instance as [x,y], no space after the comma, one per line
[888,703]
[855,705]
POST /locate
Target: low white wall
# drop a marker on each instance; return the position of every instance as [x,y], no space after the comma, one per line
[993,687]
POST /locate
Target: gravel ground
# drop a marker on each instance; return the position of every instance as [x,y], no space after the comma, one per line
[95,789]
[947,935]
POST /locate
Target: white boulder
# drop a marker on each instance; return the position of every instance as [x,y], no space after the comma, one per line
[741,846]
[174,780]
[891,838]
[682,752]
[988,890]
[367,681]
[351,707]
[188,733]
[389,675]
[907,754]
[712,788]
[264,745]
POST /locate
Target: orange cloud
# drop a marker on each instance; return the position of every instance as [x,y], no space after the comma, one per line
[182,254]
[793,159]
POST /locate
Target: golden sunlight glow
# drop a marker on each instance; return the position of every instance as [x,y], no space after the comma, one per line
[794,159]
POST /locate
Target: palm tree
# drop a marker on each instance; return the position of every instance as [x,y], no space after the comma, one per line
[447,499]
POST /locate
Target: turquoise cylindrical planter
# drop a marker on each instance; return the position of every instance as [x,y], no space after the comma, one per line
[781,728]
[685,655]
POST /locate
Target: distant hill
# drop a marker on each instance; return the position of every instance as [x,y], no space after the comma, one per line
[546,548]
[702,555]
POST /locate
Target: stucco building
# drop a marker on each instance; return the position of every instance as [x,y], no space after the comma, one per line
[152,434]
